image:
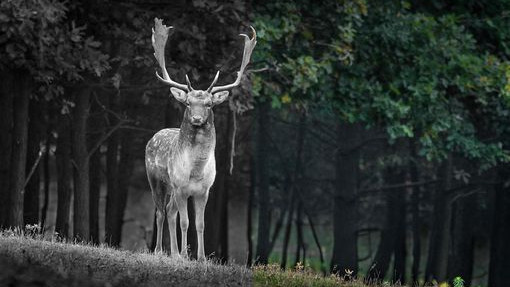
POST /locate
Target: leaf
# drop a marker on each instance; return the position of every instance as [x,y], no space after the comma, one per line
[286,99]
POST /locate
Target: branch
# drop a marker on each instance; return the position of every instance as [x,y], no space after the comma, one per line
[107,110]
[42,150]
[395,186]
[105,137]
[466,194]
[257,70]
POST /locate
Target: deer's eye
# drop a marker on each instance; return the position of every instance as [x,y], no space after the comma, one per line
[208,105]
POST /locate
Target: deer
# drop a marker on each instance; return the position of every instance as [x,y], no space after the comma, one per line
[180,162]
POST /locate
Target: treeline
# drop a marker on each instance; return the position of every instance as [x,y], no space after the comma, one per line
[388,127]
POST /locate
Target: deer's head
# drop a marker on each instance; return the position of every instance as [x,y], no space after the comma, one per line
[198,102]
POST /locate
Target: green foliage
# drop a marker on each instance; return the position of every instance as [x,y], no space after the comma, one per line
[458,282]
[300,43]
[430,79]
[272,275]
[414,74]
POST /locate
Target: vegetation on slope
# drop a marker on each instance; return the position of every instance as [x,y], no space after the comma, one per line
[27,261]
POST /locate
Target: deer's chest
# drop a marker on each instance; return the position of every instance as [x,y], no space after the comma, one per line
[193,169]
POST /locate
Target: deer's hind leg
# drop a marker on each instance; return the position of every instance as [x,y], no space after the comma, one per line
[159,197]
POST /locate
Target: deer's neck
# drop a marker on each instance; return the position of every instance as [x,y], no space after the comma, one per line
[200,140]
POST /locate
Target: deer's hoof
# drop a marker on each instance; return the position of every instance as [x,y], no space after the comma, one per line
[158,251]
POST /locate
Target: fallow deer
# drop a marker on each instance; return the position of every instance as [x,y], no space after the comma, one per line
[180,162]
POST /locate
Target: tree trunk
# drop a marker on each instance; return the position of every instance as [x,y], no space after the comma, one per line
[216,212]
[439,240]
[298,183]
[287,187]
[460,261]
[295,186]
[317,243]
[96,127]
[239,188]
[400,252]
[95,191]
[19,149]
[390,240]
[345,212]
[500,249]
[117,202]
[249,226]
[6,118]
[64,176]
[112,174]
[288,228]
[35,128]
[81,225]
[47,172]
[263,167]
[300,244]
[415,213]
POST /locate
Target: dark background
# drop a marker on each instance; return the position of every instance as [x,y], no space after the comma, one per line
[365,137]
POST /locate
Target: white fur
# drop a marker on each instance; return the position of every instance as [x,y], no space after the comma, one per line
[185,170]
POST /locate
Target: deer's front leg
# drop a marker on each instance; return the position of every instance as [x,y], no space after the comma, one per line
[182,205]
[171,213]
[160,218]
[200,202]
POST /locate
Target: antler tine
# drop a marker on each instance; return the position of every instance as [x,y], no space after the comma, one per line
[249,45]
[189,83]
[159,39]
[213,82]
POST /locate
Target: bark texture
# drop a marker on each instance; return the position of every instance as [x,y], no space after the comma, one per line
[35,130]
[345,249]
[22,86]
[437,261]
[500,249]
[6,107]
[81,226]
[263,132]
[64,175]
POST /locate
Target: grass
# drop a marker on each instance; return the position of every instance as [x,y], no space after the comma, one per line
[30,259]
[272,275]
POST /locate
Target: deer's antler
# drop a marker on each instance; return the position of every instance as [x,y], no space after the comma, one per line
[249,44]
[159,38]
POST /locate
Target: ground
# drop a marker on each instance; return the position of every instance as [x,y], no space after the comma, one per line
[30,259]
[27,261]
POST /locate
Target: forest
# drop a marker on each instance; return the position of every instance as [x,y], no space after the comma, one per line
[367,138]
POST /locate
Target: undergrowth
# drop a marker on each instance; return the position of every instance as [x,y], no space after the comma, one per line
[29,258]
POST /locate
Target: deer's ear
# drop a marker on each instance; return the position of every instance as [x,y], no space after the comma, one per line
[179,94]
[219,97]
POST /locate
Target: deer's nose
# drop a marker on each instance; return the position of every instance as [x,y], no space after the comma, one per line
[196,119]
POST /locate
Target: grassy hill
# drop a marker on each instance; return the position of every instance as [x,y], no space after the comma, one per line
[30,260]
[26,261]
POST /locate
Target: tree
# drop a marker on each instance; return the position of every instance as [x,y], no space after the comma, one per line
[345,228]
[38,43]
[262,253]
